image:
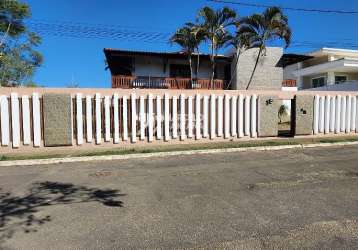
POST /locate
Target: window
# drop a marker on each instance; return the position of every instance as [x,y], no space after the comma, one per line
[340,79]
[178,70]
[318,82]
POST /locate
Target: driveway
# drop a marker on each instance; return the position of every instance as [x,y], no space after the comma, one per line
[289,199]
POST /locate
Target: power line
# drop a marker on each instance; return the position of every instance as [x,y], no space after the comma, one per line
[327,11]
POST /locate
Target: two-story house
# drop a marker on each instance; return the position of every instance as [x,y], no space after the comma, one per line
[324,69]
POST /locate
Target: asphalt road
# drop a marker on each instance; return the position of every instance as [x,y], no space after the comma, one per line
[289,199]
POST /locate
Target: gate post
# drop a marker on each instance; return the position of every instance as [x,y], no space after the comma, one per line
[303,115]
[268,116]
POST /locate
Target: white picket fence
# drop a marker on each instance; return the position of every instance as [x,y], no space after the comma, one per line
[335,114]
[114,119]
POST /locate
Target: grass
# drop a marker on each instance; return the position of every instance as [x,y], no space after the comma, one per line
[180,147]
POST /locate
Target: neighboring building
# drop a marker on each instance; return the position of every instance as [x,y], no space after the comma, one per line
[138,69]
[323,69]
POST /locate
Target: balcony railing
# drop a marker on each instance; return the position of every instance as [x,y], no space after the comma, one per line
[289,83]
[140,82]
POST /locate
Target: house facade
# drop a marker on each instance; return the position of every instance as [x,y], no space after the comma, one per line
[139,69]
[324,69]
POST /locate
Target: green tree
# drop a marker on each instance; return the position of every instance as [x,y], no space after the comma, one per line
[18,58]
[189,38]
[259,29]
[282,112]
[214,24]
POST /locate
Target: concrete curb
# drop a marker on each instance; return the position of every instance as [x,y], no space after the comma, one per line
[165,154]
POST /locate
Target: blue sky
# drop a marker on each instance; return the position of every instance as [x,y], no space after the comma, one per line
[81,60]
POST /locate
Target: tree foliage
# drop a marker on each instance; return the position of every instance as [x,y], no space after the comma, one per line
[18,57]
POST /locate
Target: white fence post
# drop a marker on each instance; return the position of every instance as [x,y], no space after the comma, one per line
[107,119]
[142,118]
[220,116]
[205,116]
[197,117]
[182,116]
[247,115]
[253,116]
[115,119]
[333,114]
[15,120]
[5,122]
[343,113]
[321,114]
[159,117]
[212,116]
[316,114]
[36,117]
[125,117]
[89,118]
[190,117]
[327,114]
[175,117]
[150,118]
[349,113]
[338,114]
[241,116]
[26,120]
[134,117]
[354,113]
[233,116]
[166,118]
[79,118]
[98,119]
[227,114]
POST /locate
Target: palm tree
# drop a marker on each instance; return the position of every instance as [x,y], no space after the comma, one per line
[214,24]
[198,36]
[282,112]
[259,29]
[189,39]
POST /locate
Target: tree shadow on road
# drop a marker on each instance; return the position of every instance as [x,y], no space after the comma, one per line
[18,213]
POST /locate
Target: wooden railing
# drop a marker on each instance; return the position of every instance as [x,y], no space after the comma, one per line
[128,82]
[289,83]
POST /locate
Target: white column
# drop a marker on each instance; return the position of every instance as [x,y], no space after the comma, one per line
[166,118]
[338,114]
[330,78]
[190,117]
[343,113]
[125,118]
[197,117]
[220,116]
[79,119]
[134,117]
[227,114]
[107,119]
[142,118]
[15,120]
[212,116]
[316,114]
[159,117]
[4,115]
[321,114]
[233,116]
[36,119]
[354,113]
[205,116]
[150,118]
[182,116]
[26,128]
[98,119]
[175,117]
[253,116]
[89,118]
[115,119]
[240,117]
[348,114]
[327,114]
[247,115]
[333,114]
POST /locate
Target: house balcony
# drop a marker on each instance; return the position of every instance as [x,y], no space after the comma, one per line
[146,82]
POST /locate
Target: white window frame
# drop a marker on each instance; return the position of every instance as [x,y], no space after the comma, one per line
[340,75]
[317,77]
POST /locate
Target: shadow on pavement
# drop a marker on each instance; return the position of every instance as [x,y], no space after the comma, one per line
[17,213]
